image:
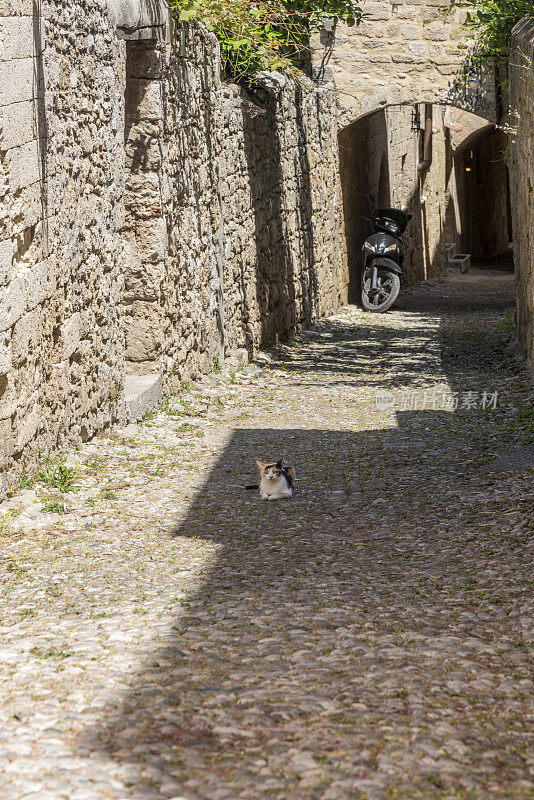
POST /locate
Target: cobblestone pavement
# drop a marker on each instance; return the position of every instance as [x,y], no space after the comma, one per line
[171,636]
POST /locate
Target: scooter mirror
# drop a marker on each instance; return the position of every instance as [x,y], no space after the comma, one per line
[370,200]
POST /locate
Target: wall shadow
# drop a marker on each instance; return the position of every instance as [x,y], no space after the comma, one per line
[41,124]
[482,173]
[286,291]
[364,167]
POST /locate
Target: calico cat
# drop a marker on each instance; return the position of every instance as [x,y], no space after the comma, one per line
[276,481]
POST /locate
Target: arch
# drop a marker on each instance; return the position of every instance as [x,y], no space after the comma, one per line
[381,152]
[488,121]
[404,53]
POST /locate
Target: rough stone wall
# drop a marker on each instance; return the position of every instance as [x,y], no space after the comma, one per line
[144,233]
[404,52]
[154,221]
[255,222]
[522,176]
[61,75]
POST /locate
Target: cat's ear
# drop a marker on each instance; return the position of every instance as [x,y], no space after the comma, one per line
[260,464]
[280,462]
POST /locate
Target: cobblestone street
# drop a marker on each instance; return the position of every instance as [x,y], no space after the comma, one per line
[168,635]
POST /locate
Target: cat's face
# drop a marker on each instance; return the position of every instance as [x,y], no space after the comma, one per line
[270,471]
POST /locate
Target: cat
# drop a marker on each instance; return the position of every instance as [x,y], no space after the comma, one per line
[276,481]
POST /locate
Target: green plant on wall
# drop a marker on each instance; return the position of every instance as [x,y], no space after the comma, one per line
[264,34]
[492,21]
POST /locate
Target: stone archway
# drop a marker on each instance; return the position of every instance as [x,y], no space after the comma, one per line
[387,144]
[403,50]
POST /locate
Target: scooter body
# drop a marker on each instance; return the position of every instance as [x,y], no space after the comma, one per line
[382,258]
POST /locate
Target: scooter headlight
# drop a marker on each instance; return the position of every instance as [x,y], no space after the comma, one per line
[391,247]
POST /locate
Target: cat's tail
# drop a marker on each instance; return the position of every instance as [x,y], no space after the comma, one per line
[252,486]
[291,473]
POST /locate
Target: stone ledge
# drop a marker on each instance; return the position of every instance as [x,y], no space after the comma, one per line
[141,394]
[461,261]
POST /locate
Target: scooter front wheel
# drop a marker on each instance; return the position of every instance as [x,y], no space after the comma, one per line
[381,297]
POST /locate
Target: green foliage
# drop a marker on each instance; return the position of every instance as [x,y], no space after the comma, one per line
[51,652]
[58,475]
[525,422]
[492,22]
[53,508]
[26,481]
[264,34]
[507,321]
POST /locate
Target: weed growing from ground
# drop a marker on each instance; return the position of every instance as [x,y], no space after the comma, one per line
[51,652]
[53,508]
[26,481]
[58,475]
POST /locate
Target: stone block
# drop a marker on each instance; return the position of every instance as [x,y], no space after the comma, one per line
[142,393]
[144,61]
[461,262]
[417,48]
[450,250]
[24,165]
[436,34]
[39,283]
[6,260]
[150,238]
[27,209]
[27,423]
[377,11]
[17,81]
[6,445]
[16,38]
[144,100]
[16,8]
[410,32]
[26,335]
[12,303]
[18,124]
[5,352]
[70,336]
[143,332]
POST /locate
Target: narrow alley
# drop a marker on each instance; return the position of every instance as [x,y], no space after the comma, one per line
[170,636]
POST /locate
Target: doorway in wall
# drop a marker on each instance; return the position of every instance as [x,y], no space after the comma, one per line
[481,174]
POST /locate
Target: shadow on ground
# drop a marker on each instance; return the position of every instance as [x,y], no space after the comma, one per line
[367,638]
[347,642]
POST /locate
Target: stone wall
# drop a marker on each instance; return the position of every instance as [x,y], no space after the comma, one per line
[404,52]
[154,221]
[61,160]
[522,176]
[260,254]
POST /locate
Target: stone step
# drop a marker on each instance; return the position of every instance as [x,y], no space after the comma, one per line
[142,393]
